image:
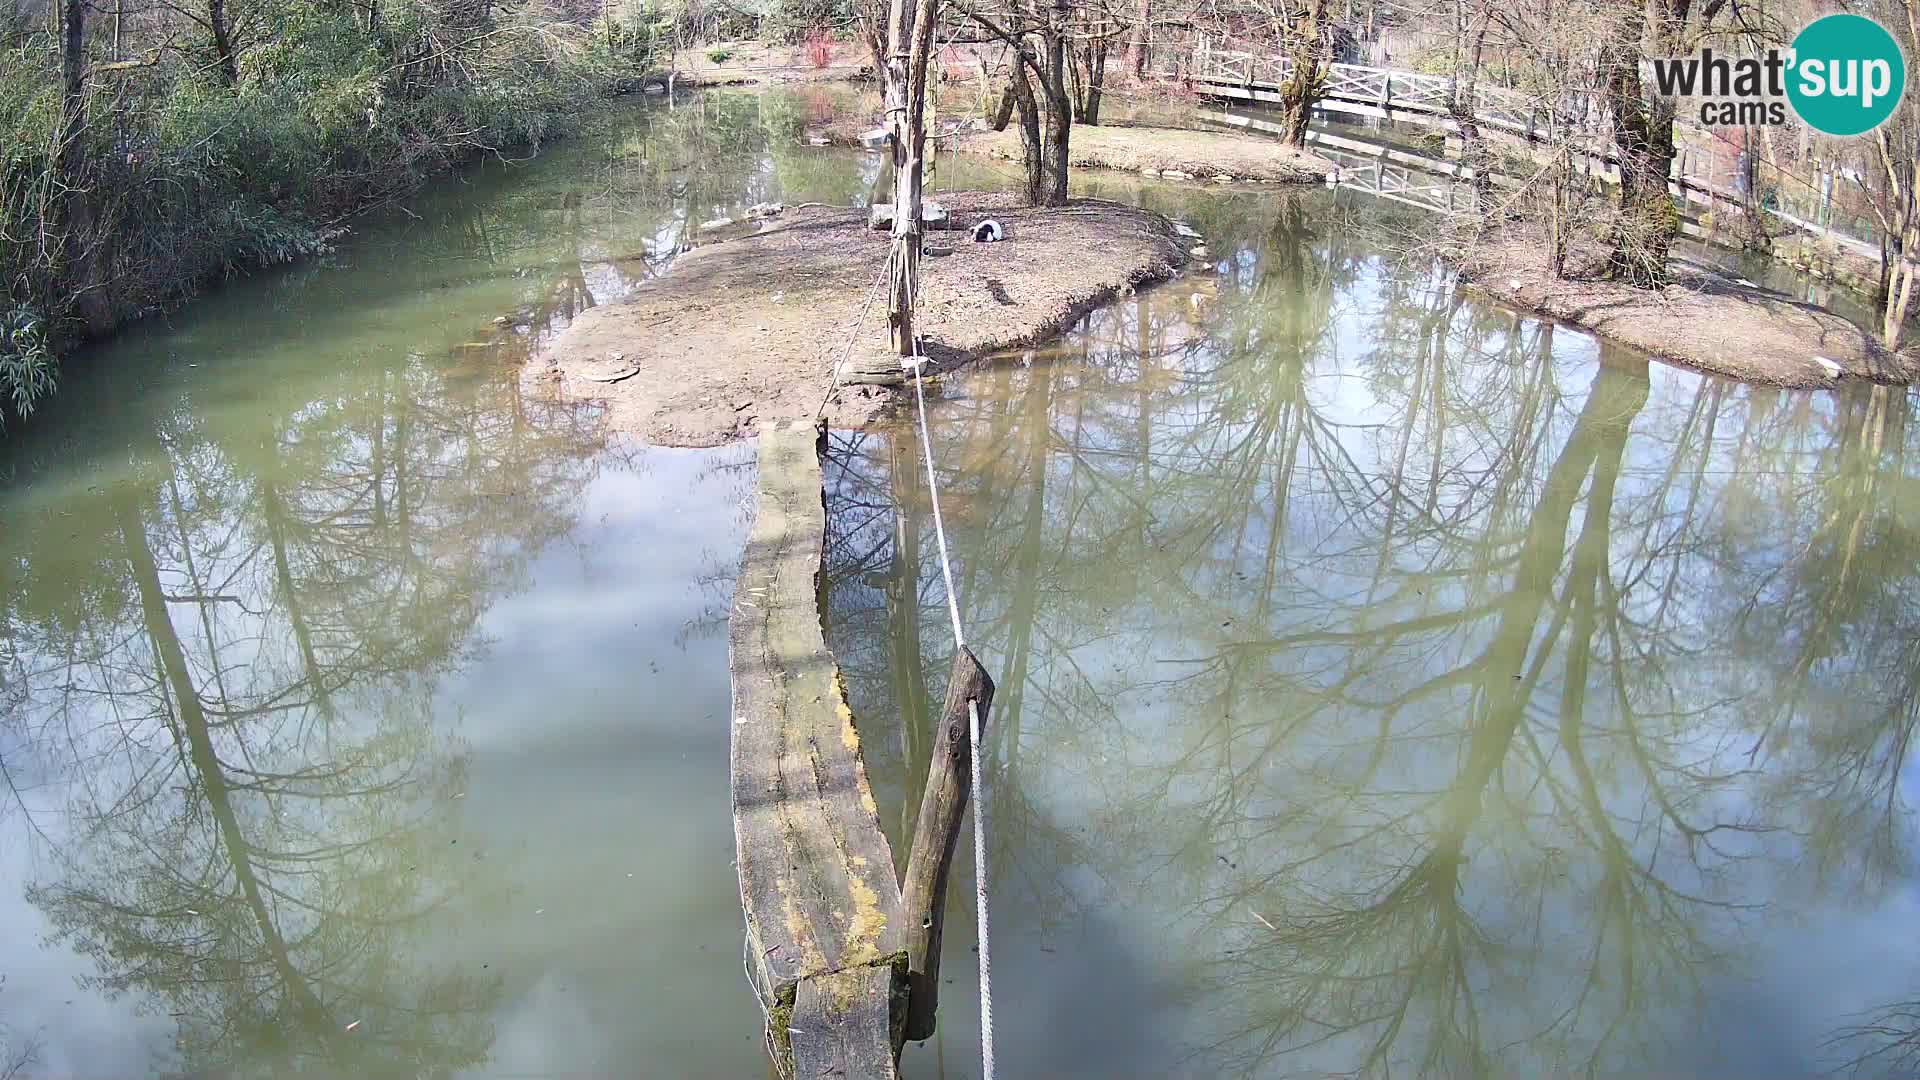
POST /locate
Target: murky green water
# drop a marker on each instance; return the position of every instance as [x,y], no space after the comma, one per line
[1392,686]
[363,707]
[1387,684]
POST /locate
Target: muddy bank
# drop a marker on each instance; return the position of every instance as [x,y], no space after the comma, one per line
[1703,320]
[757,63]
[744,333]
[1172,153]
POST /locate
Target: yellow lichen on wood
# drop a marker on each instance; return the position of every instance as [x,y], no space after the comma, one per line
[869,921]
[815,868]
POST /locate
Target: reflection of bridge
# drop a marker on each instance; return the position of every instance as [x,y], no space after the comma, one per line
[1402,176]
[1418,98]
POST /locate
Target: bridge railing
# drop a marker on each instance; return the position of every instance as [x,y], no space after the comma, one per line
[1428,99]
[1389,89]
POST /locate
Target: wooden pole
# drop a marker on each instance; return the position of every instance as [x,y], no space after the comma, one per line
[911,41]
[929,864]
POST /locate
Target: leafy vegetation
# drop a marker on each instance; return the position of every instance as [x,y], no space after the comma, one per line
[144,154]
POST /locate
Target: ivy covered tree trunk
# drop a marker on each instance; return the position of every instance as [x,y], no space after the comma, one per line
[1302,87]
[1647,222]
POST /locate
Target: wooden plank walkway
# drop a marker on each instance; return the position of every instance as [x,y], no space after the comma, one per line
[825,934]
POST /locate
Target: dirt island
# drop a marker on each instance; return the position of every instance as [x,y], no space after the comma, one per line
[1704,319]
[746,332]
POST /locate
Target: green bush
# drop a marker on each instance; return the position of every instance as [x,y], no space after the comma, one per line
[719,56]
[26,368]
[790,21]
[182,179]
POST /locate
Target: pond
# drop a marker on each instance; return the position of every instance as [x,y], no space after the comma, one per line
[1387,682]
[1392,685]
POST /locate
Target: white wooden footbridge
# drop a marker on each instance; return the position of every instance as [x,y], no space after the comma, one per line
[1352,90]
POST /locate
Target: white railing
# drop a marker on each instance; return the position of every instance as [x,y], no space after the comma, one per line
[1384,89]
[1423,98]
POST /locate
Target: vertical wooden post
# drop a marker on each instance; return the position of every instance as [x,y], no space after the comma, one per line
[911,41]
[942,807]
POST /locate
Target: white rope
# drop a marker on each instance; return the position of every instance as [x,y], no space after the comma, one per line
[853,334]
[939,525]
[973,732]
[980,895]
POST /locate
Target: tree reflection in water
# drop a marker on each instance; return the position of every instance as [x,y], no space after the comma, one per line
[232,601]
[1438,694]
[258,836]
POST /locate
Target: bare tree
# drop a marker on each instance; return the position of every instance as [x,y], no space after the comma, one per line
[1037,32]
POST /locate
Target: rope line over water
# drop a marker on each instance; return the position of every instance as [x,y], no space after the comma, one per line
[917,363]
[853,334]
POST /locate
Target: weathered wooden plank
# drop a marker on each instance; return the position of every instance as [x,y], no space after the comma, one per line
[943,805]
[816,872]
[841,1025]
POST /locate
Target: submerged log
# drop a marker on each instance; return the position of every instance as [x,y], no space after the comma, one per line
[822,908]
[943,805]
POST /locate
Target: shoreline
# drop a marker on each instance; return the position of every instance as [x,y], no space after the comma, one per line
[1704,320]
[1178,154]
[745,333]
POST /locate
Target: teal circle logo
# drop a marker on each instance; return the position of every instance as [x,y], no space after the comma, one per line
[1846,74]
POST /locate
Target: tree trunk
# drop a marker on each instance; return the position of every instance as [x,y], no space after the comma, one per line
[1059,133]
[1142,33]
[1095,82]
[222,44]
[1557,229]
[1302,88]
[1900,288]
[1003,112]
[1059,106]
[1758,237]
[1030,150]
[1647,223]
[1472,28]
[911,43]
[1077,65]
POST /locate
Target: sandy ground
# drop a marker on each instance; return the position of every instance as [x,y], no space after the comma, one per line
[744,333]
[1191,155]
[758,62]
[1704,320]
